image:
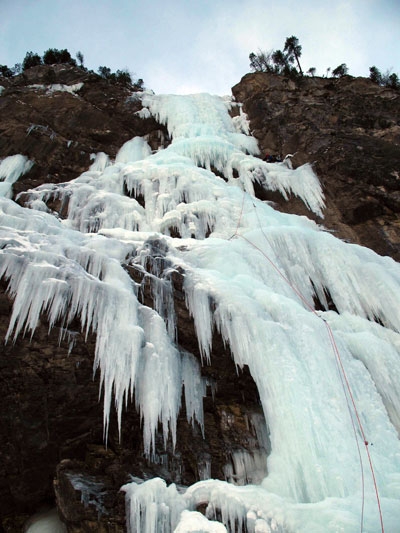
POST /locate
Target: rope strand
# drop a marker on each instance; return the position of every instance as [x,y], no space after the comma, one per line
[339,363]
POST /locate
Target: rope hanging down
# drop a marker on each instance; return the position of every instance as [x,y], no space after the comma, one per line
[341,370]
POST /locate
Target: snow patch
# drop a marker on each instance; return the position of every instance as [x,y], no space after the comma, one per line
[58,87]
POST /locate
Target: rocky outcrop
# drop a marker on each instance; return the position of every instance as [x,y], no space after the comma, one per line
[51,421]
[61,124]
[350,129]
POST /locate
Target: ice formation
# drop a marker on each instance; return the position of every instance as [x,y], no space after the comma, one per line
[12,168]
[46,522]
[252,273]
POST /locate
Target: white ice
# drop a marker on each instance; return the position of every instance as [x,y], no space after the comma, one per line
[250,272]
[46,522]
[11,169]
[58,87]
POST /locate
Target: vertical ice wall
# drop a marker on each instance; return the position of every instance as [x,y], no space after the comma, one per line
[250,272]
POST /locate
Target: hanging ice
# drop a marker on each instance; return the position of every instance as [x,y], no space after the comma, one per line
[251,272]
[11,168]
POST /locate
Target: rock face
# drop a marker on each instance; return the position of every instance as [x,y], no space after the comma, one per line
[350,129]
[60,129]
[51,427]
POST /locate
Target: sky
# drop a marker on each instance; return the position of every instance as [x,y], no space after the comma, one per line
[190,46]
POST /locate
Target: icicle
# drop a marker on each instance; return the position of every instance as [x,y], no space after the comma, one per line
[11,169]
[250,272]
[153,507]
[195,389]
[101,161]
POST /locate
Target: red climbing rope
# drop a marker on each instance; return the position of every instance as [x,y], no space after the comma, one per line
[339,363]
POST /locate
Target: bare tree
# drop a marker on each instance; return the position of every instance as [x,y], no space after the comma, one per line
[261,62]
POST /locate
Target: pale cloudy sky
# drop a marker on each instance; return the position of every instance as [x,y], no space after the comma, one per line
[183,46]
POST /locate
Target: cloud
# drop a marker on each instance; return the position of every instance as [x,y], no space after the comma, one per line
[202,45]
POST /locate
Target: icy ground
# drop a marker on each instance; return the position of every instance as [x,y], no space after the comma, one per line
[329,382]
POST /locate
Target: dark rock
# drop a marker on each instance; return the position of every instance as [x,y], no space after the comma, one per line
[350,129]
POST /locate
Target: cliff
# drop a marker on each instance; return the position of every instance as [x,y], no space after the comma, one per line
[51,420]
[349,128]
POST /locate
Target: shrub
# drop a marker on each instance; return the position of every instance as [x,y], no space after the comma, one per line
[375,75]
[104,72]
[278,61]
[123,77]
[386,80]
[5,71]
[262,61]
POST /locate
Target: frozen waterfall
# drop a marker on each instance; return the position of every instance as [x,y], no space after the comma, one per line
[252,273]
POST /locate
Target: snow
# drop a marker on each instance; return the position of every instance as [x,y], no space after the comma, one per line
[251,273]
[194,522]
[58,87]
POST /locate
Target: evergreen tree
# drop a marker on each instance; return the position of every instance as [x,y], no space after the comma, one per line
[31,59]
[139,85]
[124,77]
[386,80]
[280,61]
[293,49]
[79,57]
[5,71]
[340,71]
[53,56]
[375,75]
[104,72]
[393,81]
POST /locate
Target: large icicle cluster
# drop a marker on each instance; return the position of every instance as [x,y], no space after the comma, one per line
[253,274]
